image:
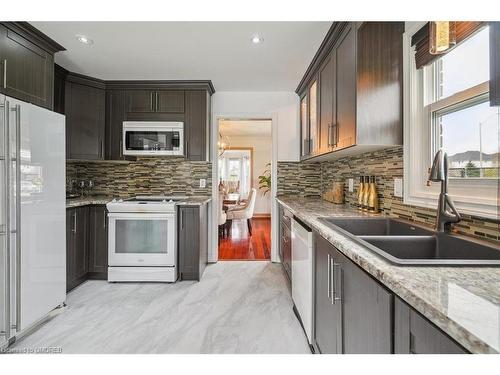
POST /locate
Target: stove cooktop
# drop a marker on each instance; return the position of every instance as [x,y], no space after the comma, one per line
[144,204]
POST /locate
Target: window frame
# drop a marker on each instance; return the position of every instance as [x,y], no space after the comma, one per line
[473,196]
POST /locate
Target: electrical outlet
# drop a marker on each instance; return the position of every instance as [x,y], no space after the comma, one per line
[351,185]
[398,187]
[203,183]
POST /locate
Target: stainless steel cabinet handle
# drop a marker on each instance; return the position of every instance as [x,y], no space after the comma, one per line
[337,289]
[152,101]
[329,135]
[121,148]
[156,107]
[7,215]
[4,74]
[17,110]
[74,223]
[336,134]
[104,221]
[332,282]
[329,284]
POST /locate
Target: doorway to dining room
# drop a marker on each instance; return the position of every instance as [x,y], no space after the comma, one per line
[244,208]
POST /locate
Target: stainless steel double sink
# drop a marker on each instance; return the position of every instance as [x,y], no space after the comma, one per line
[404,243]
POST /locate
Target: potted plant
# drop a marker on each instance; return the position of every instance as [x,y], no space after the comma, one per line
[265,180]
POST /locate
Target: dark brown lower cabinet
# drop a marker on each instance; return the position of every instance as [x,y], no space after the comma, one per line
[353,312]
[285,248]
[328,313]
[98,243]
[192,241]
[76,246]
[86,244]
[414,334]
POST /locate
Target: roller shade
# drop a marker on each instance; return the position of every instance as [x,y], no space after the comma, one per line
[421,40]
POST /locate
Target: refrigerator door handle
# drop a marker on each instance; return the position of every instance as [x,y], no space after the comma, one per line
[6,197]
[17,110]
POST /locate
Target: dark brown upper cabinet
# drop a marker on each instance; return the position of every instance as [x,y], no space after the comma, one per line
[305,149]
[27,63]
[327,113]
[359,71]
[149,101]
[169,101]
[85,118]
[196,124]
[115,115]
[495,63]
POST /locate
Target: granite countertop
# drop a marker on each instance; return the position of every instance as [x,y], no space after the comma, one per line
[103,199]
[463,301]
[87,200]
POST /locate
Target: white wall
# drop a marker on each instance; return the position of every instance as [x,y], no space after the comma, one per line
[262,152]
[283,109]
[284,104]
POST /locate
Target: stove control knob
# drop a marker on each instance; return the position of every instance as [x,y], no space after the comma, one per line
[163,201]
[120,200]
[114,200]
[170,201]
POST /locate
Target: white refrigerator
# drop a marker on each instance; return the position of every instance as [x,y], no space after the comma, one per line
[32,215]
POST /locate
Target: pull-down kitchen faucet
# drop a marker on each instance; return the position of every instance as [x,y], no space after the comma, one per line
[439,173]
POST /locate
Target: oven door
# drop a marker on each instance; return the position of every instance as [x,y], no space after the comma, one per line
[142,239]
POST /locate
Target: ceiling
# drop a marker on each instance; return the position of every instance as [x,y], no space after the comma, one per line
[255,128]
[219,51]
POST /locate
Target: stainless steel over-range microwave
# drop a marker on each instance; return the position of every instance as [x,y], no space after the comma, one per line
[153,138]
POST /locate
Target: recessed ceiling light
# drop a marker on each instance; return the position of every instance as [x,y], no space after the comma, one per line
[84,39]
[257,39]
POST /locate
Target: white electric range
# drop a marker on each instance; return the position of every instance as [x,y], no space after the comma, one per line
[142,243]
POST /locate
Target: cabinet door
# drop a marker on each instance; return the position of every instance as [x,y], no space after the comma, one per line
[287,251]
[59,89]
[169,101]
[413,334]
[379,93]
[196,125]
[70,248]
[327,320]
[189,243]
[98,242]
[346,89]
[367,314]
[304,127]
[115,114]
[140,101]
[313,118]
[327,103]
[27,70]
[85,121]
[81,240]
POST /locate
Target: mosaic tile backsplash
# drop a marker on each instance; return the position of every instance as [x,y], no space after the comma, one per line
[150,176]
[312,179]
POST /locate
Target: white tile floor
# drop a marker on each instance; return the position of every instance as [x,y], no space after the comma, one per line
[238,307]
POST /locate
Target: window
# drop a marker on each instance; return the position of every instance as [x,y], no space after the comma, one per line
[462,122]
[447,106]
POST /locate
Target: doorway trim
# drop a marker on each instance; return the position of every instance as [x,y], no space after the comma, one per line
[213,253]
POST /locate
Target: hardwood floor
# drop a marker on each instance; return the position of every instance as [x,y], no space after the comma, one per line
[241,246]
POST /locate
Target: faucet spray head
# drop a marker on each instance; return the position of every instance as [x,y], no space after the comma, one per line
[439,167]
